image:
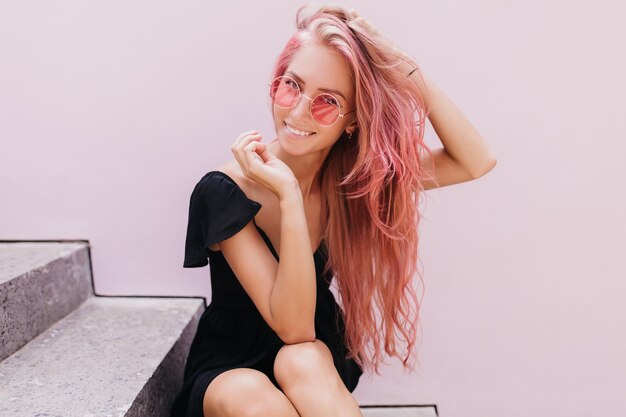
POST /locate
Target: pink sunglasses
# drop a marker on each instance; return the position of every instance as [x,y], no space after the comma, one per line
[324,108]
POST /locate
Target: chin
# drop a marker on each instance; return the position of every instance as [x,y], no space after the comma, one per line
[288,146]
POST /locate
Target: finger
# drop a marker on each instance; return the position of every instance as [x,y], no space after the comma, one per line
[360,21]
[251,156]
[238,152]
[244,161]
[253,146]
[264,152]
[242,136]
[244,140]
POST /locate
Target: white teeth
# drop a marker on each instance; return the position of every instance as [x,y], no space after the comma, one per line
[297,132]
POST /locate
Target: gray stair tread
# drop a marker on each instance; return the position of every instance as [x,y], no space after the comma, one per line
[96,360]
[399,411]
[17,258]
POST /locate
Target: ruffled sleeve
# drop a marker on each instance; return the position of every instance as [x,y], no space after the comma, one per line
[218,209]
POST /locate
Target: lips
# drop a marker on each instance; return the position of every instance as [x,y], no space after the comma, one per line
[297,132]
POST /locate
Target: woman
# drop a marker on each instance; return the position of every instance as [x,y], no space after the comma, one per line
[334,195]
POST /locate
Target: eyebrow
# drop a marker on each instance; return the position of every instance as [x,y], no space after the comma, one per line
[329,90]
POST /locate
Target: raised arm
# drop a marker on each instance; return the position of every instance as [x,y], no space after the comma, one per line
[465,154]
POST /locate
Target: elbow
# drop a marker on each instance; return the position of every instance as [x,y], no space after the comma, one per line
[488,166]
[298,329]
[298,337]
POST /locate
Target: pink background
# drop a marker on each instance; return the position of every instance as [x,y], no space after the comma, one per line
[111,111]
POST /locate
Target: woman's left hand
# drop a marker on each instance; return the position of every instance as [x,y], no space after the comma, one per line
[360,21]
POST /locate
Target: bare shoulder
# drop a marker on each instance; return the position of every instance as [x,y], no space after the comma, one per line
[251,189]
[233,170]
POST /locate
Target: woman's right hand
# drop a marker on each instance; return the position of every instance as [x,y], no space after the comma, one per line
[260,165]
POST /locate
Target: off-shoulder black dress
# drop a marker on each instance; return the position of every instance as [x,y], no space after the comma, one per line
[231,332]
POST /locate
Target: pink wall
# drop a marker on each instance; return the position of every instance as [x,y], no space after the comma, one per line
[111,111]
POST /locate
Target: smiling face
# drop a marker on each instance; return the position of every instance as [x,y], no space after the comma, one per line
[317,69]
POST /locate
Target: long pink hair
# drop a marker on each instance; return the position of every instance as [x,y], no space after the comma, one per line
[370,187]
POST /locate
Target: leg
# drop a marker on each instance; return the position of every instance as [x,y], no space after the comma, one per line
[245,392]
[308,377]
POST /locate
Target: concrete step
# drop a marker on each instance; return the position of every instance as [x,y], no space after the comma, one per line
[65,352]
[399,411]
[113,356]
[40,283]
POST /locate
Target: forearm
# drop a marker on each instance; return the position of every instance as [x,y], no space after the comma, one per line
[460,139]
[293,297]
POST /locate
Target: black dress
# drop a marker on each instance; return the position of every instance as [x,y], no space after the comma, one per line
[231,332]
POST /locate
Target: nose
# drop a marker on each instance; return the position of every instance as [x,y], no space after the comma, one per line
[301,108]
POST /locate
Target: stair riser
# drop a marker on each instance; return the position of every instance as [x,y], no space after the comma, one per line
[157,396]
[32,302]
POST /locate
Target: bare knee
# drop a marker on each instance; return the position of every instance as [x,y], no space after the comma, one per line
[244,392]
[305,362]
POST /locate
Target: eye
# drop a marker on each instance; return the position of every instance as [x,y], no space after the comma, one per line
[328,99]
[291,83]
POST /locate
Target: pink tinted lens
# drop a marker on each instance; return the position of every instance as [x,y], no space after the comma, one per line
[324,109]
[283,91]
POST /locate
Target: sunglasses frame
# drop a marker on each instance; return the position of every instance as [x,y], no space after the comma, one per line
[301,94]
